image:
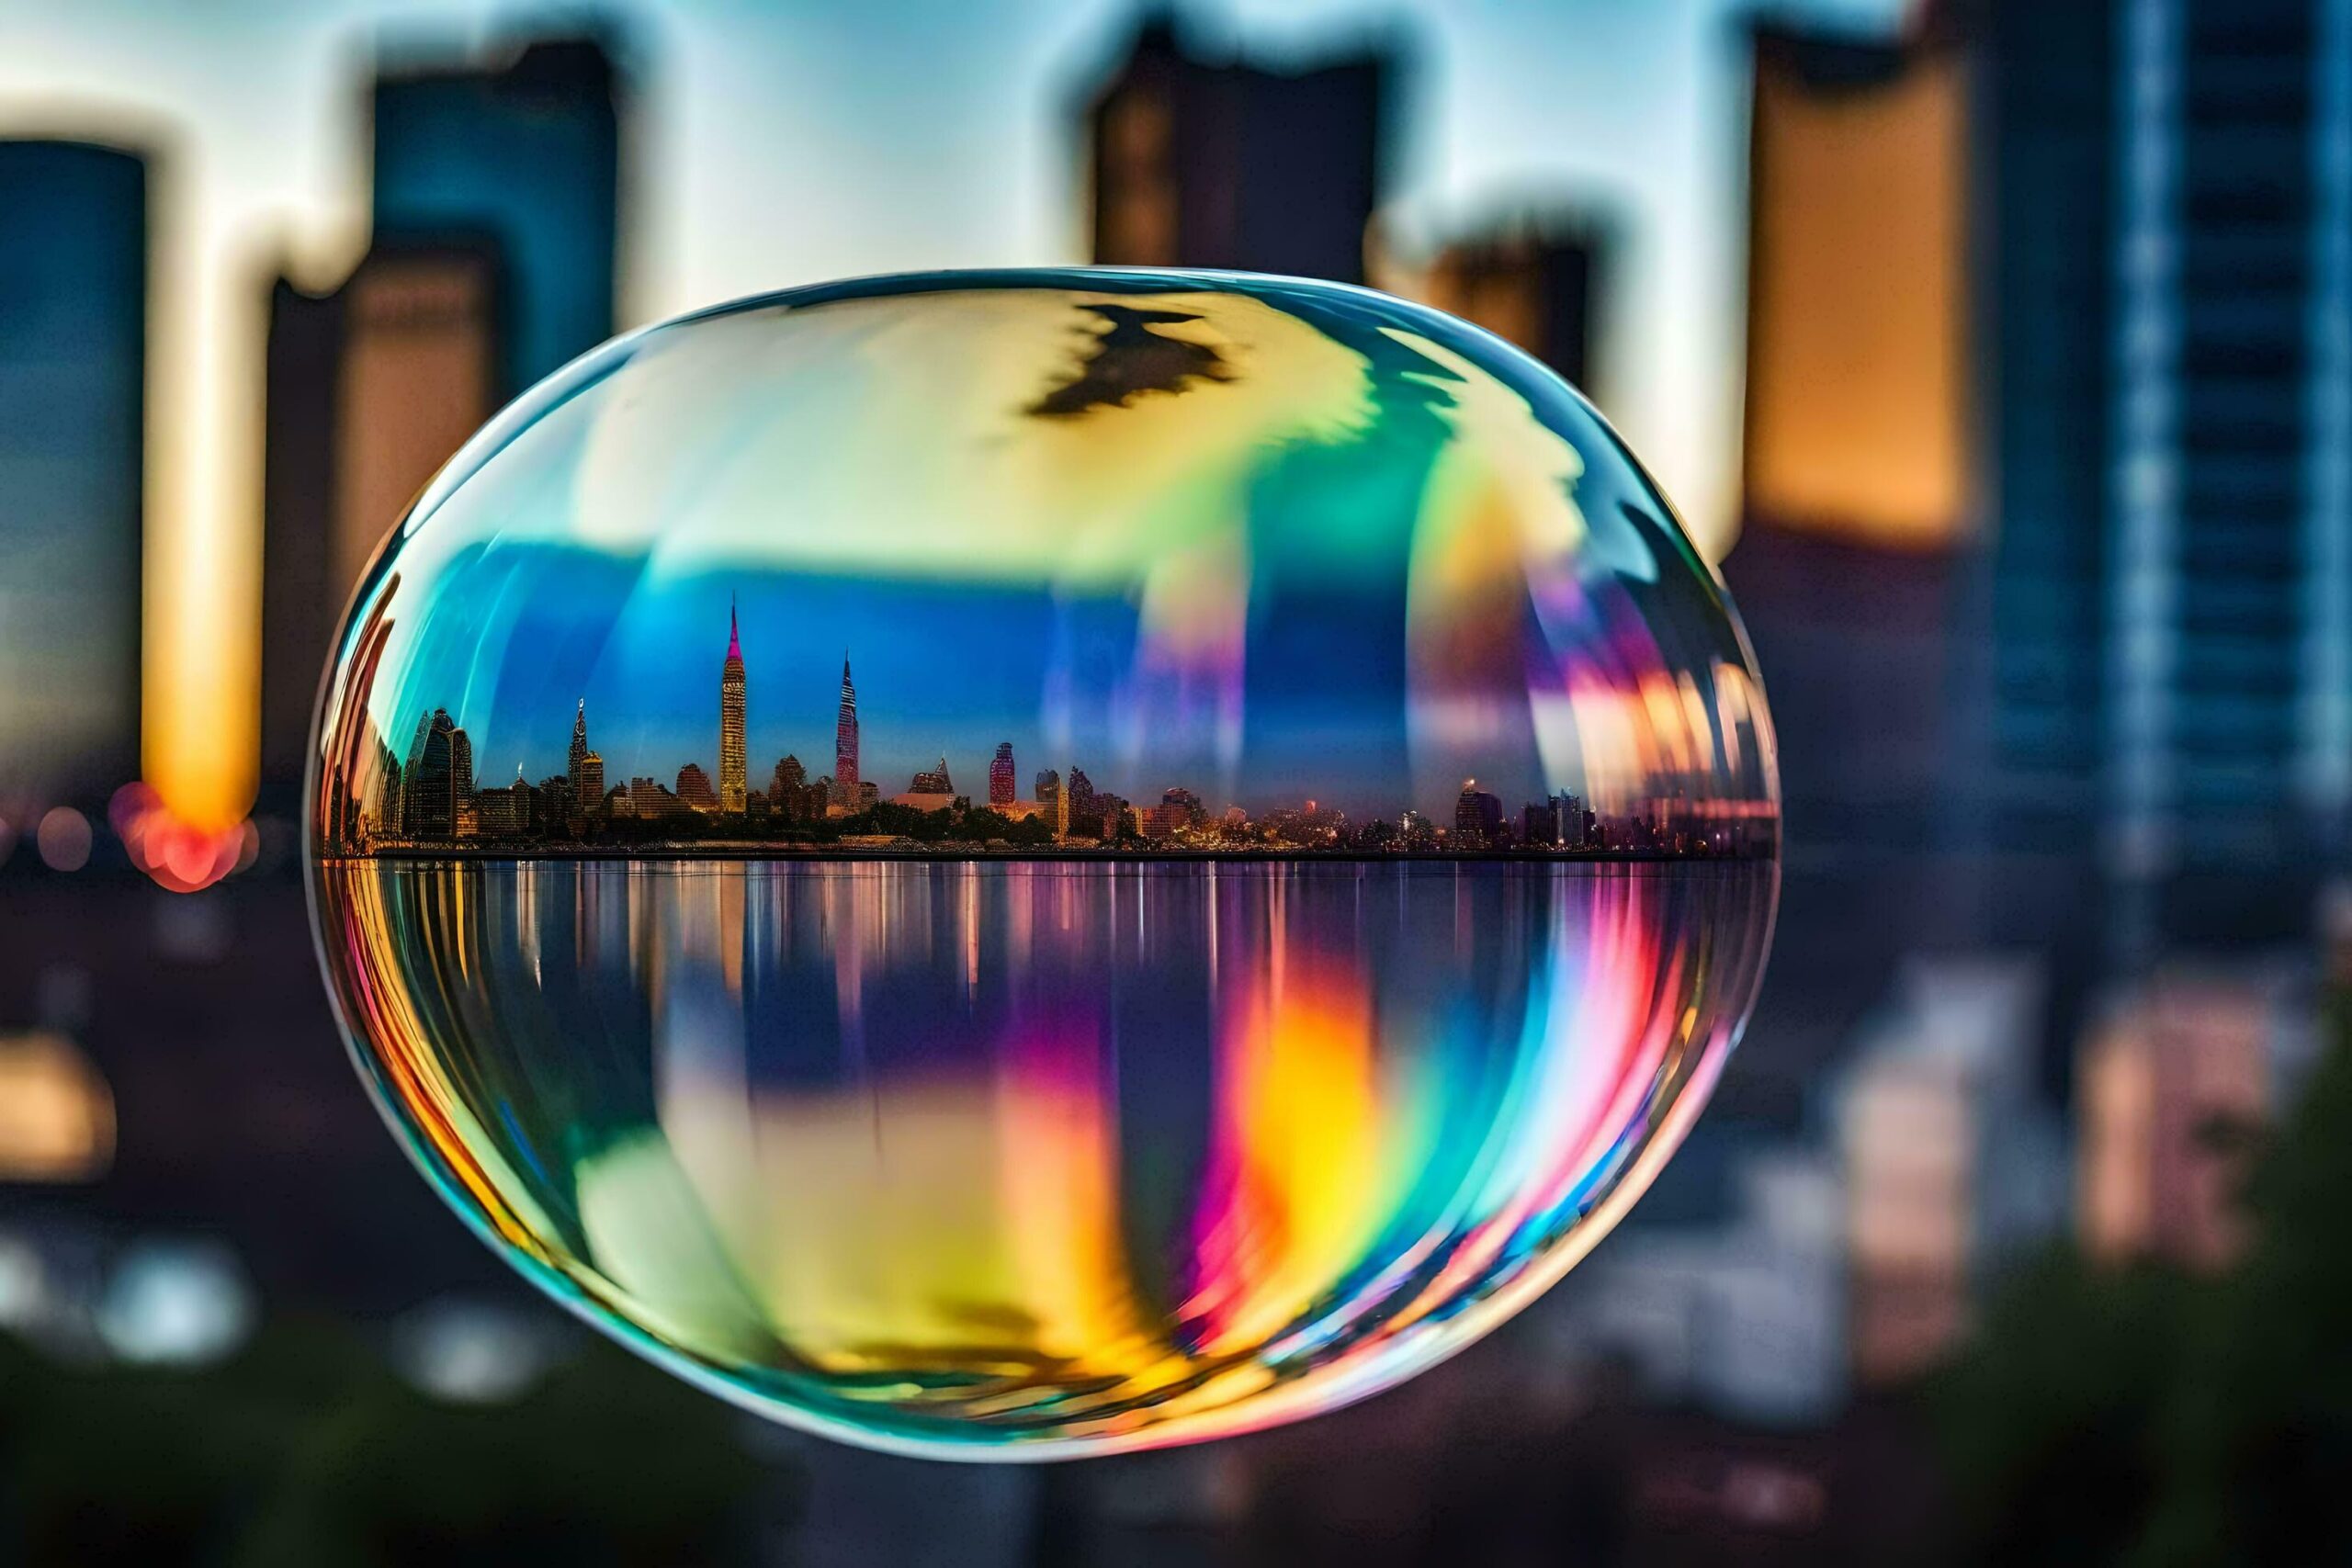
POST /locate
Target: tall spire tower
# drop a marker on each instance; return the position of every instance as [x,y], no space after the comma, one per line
[731,775]
[845,742]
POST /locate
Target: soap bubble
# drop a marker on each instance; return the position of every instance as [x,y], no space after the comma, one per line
[1091,860]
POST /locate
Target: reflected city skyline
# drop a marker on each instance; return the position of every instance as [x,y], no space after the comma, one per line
[433,801]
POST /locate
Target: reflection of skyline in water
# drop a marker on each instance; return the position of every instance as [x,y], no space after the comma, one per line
[974,1152]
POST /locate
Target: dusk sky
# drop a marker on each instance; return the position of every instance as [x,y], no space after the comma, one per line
[779,144]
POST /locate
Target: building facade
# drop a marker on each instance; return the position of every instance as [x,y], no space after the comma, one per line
[73,443]
[733,780]
[845,780]
[1211,162]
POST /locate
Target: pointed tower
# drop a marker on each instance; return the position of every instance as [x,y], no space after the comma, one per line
[845,742]
[733,779]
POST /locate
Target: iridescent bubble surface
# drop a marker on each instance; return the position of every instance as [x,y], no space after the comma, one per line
[1090,859]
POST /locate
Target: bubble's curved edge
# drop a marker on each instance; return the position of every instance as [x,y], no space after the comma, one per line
[1314,1393]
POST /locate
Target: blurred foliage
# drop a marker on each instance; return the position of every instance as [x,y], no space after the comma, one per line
[2151,1418]
[307,1450]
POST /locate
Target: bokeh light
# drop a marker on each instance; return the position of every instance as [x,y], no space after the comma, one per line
[64,839]
[1390,876]
[176,1303]
[180,856]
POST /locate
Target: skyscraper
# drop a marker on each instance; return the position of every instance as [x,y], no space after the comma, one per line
[1477,815]
[1214,163]
[579,753]
[845,781]
[1000,775]
[73,432]
[370,388]
[527,156]
[428,779]
[934,781]
[492,263]
[1531,279]
[693,788]
[586,771]
[732,778]
[2171,582]
[790,794]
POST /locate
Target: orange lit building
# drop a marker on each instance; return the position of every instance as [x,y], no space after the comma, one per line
[2164,1078]
[371,388]
[1857,383]
[1857,469]
[1530,280]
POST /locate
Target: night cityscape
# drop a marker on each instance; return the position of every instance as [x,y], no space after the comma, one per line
[1994,354]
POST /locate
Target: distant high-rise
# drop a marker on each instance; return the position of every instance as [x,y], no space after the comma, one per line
[693,788]
[845,780]
[1477,815]
[579,751]
[934,781]
[461,765]
[528,156]
[1000,775]
[72,436]
[733,782]
[588,788]
[790,794]
[1217,164]
[370,388]
[1531,280]
[429,780]
[1055,800]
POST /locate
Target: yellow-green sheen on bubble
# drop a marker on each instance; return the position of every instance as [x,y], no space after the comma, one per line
[1029,863]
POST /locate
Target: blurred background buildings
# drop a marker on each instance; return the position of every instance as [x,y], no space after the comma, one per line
[2034,486]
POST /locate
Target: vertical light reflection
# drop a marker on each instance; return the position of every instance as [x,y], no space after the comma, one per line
[1412,1097]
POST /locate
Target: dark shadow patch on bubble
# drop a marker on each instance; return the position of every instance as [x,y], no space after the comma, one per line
[1129,359]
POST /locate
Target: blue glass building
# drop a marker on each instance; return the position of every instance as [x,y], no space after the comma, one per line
[72,435]
[2169,254]
[528,157]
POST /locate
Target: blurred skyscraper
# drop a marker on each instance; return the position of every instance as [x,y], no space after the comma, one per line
[1855,484]
[1531,279]
[527,154]
[1220,163]
[73,434]
[370,388]
[1855,512]
[2170,244]
[491,264]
